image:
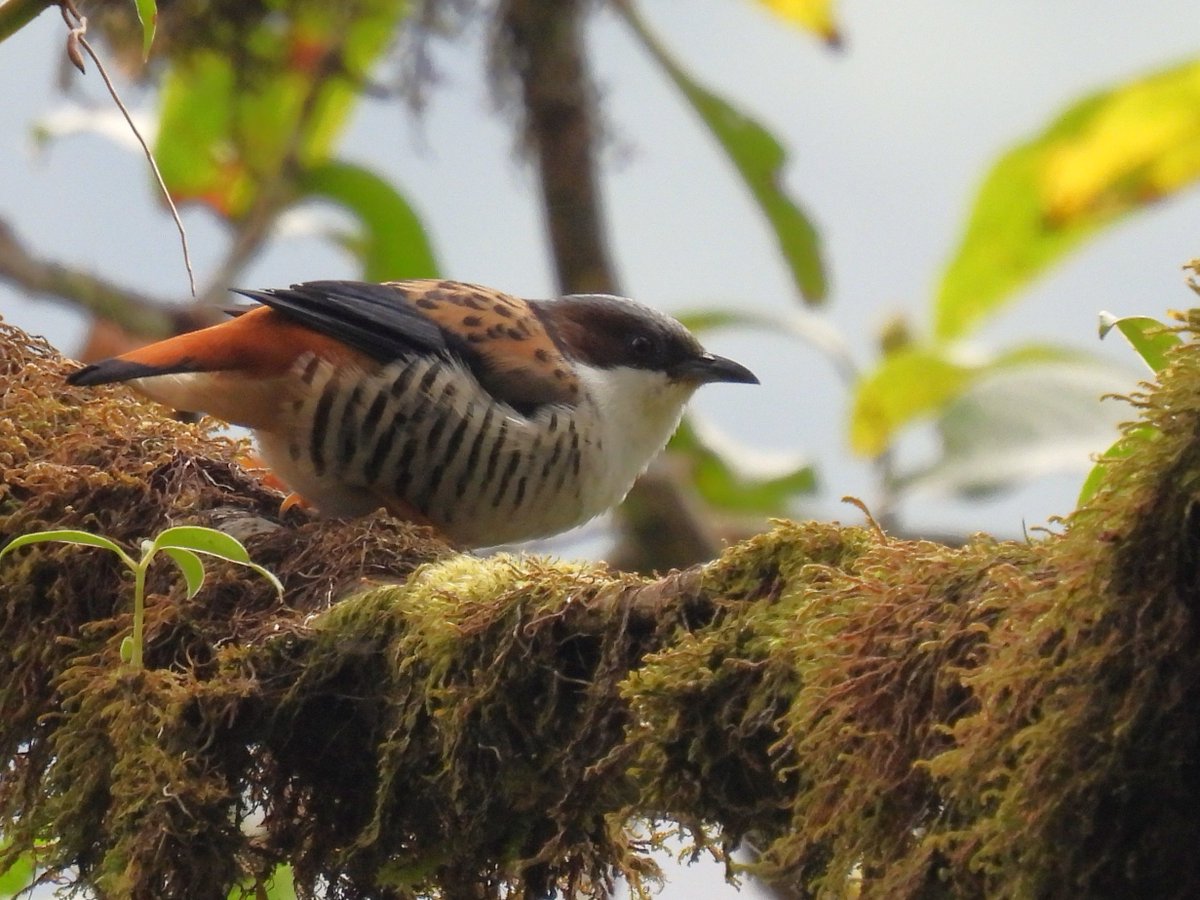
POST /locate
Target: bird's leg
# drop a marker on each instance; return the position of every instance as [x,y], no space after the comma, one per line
[292,498]
[268,478]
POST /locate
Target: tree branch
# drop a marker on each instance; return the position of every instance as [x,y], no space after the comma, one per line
[878,716]
[544,47]
[137,313]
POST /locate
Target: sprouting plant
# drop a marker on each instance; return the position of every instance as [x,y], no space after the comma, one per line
[184,544]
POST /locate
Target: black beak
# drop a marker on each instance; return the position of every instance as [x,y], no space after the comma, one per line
[708,368]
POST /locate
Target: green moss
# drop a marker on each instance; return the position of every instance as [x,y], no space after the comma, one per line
[880,717]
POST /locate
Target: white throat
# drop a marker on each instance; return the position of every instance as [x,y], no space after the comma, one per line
[636,412]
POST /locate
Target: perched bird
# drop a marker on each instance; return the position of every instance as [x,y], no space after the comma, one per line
[492,418]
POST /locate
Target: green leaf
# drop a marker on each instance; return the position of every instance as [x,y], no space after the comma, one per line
[1152,340]
[1149,337]
[268,575]
[280,886]
[67,536]
[127,649]
[229,128]
[210,542]
[1104,157]
[199,539]
[147,11]
[759,159]
[393,243]
[727,476]
[1134,441]
[190,565]
[18,876]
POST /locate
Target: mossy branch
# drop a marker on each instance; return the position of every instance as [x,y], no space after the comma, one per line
[878,716]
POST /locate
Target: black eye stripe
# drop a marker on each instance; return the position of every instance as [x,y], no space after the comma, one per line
[608,331]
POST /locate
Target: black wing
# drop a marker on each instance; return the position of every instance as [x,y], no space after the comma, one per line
[379,319]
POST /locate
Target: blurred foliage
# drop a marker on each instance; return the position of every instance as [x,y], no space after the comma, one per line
[390,237]
[918,380]
[228,132]
[726,479]
[1102,158]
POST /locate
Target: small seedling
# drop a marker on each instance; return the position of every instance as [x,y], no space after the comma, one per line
[184,544]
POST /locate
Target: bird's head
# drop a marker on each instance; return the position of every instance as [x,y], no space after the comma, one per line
[606,332]
[639,365]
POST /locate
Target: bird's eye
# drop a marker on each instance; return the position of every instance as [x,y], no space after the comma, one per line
[641,346]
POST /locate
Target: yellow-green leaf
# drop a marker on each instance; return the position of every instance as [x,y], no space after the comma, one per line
[917,381]
[67,536]
[1103,157]
[907,384]
[280,886]
[19,876]
[812,15]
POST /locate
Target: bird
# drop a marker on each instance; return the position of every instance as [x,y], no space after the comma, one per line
[492,418]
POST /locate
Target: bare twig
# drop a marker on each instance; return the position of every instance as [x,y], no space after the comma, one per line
[76,38]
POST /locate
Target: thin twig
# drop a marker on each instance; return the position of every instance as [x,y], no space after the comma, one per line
[75,39]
